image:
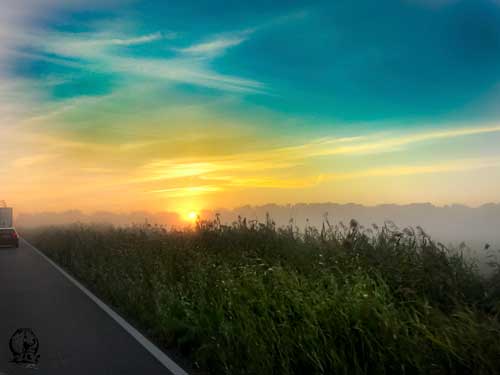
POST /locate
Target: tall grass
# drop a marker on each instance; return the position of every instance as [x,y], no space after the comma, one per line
[251,298]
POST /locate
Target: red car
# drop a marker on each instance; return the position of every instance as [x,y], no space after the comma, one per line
[9,237]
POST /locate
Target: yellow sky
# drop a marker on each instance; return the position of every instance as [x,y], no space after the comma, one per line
[42,170]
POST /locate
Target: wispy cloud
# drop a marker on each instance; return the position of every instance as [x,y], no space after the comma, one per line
[184,70]
[98,50]
[465,164]
[382,143]
[87,46]
[217,45]
[263,181]
[283,168]
[271,157]
[141,39]
[213,46]
[188,191]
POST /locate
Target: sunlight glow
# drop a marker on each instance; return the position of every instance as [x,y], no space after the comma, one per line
[192,216]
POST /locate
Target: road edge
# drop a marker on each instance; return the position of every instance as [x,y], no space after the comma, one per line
[165,360]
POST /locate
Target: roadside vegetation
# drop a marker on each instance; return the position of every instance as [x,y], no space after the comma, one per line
[251,298]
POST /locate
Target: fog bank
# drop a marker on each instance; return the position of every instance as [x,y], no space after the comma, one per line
[449,224]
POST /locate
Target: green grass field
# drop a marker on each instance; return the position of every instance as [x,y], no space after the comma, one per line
[251,298]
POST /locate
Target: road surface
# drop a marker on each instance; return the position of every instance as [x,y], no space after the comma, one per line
[76,335]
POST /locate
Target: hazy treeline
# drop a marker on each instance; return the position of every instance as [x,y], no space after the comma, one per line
[32,220]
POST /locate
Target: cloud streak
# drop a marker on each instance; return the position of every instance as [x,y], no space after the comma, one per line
[98,51]
[217,45]
[280,168]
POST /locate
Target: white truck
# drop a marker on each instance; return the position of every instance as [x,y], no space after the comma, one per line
[5,216]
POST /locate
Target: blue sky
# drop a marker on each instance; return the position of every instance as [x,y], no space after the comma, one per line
[354,62]
[210,79]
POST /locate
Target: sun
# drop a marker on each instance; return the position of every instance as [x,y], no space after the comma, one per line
[192,216]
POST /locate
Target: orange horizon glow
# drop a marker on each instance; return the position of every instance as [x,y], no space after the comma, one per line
[45,172]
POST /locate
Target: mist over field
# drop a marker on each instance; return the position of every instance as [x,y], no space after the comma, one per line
[454,224]
[251,298]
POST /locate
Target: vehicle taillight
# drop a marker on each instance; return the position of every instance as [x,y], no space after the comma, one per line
[14,235]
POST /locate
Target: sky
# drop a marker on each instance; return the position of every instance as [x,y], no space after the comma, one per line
[190,105]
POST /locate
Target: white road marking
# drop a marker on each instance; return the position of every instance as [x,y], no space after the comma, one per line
[166,361]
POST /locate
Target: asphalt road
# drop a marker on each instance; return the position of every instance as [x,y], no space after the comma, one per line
[76,336]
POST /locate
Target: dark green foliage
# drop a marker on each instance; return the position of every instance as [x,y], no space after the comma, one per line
[251,298]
